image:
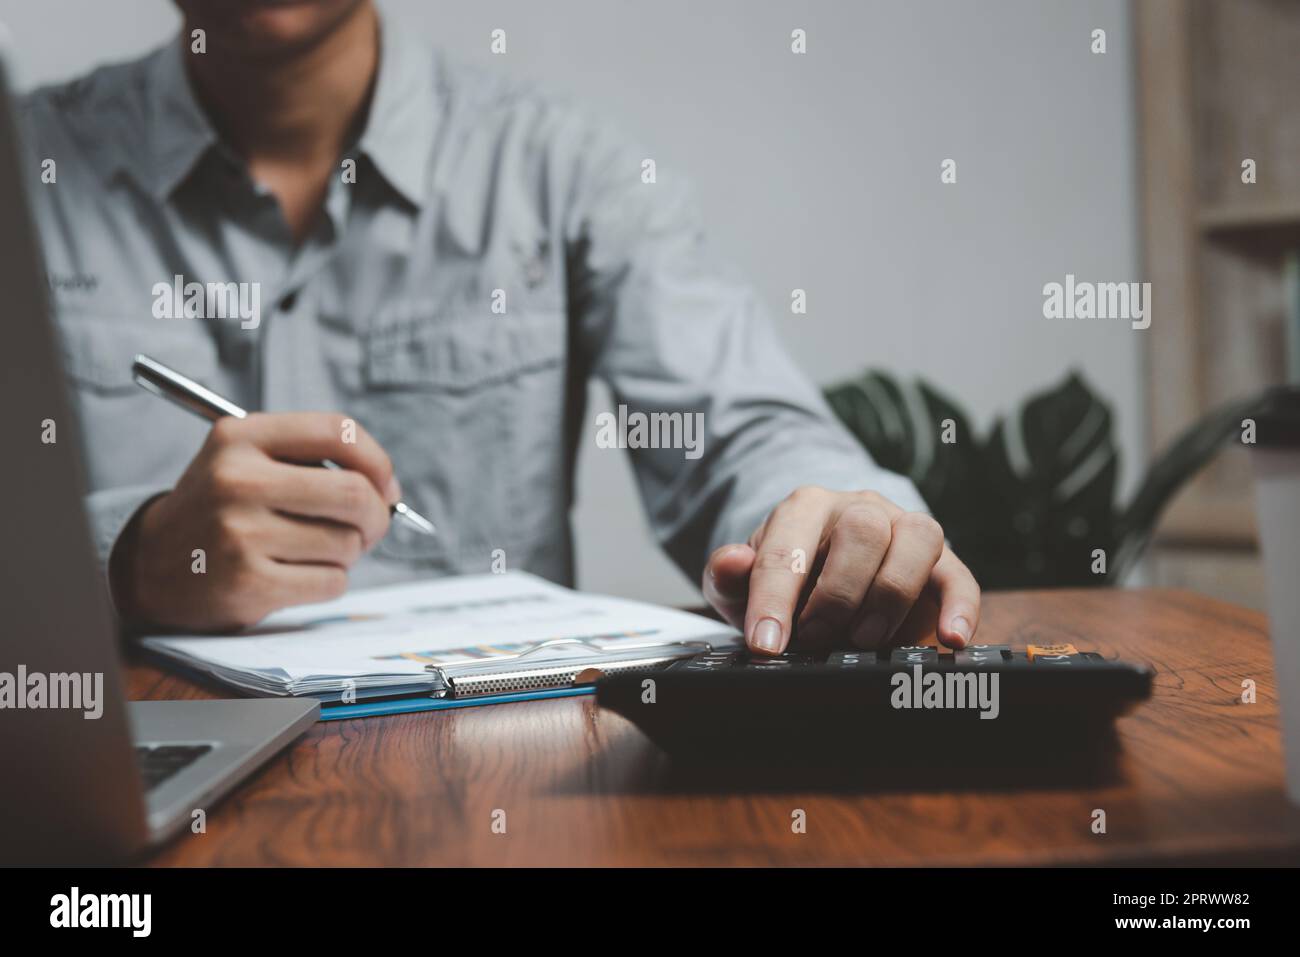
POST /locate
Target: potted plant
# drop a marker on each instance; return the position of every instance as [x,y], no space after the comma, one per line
[1030,504]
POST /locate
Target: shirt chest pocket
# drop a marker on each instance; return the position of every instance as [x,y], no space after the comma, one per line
[470,409]
[454,354]
[98,352]
[130,437]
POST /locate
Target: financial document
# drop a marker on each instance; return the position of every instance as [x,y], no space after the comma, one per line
[415,637]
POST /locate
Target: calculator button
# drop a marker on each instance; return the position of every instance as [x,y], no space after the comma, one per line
[853,659]
[914,655]
[710,661]
[1041,660]
[778,663]
[978,656]
[1050,651]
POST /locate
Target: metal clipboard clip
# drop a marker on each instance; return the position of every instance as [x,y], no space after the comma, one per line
[508,673]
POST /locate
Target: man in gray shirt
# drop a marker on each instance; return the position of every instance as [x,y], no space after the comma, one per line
[413,265]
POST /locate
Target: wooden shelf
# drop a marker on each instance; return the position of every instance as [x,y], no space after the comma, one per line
[1216,84]
[1204,522]
[1270,226]
[1241,217]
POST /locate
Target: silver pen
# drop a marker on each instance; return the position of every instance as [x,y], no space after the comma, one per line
[153,376]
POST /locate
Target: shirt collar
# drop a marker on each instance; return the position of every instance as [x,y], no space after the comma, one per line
[404,111]
[398,137]
[179,131]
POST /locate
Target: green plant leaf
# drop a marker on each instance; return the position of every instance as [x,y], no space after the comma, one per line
[872,408]
[952,479]
[1052,468]
[1029,506]
[1188,453]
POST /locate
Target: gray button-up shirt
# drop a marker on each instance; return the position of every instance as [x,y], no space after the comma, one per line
[484,251]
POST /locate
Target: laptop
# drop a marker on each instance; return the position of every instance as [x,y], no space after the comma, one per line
[90,777]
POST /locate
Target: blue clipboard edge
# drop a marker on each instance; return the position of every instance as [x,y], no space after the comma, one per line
[372,709]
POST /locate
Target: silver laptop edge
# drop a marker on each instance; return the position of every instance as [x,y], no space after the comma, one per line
[74,792]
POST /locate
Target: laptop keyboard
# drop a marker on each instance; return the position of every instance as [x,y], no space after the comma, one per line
[159,762]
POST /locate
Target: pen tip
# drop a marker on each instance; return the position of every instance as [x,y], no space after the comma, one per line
[414,518]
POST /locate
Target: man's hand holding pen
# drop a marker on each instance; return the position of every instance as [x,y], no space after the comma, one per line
[273,530]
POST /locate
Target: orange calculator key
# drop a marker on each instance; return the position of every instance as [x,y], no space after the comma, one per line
[1050,651]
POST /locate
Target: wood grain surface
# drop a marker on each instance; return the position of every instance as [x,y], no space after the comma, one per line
[1196,776]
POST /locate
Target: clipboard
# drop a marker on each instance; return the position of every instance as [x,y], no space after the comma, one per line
[486,683]
[422,645]
[370,709]
[509,673]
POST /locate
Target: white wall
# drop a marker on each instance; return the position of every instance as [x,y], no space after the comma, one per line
[822,172]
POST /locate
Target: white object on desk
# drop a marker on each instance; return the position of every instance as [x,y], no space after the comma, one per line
[1277,500]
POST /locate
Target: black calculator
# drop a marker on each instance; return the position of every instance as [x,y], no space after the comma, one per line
[897,705]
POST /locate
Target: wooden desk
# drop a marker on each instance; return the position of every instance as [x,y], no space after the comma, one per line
[1198,778]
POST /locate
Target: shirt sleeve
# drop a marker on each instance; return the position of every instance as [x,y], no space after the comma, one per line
[663,324]
[109,511]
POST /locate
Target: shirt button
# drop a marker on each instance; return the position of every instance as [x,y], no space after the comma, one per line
[287,301]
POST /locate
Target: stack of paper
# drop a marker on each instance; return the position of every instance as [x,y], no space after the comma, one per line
[416,638]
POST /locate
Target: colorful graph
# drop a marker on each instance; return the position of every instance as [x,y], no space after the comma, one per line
[487,652]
